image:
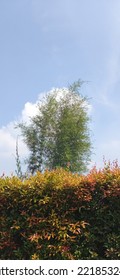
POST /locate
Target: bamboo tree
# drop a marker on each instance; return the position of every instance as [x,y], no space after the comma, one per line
[18,162]
[59,134]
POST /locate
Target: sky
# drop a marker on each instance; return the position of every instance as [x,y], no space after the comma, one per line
[47,44]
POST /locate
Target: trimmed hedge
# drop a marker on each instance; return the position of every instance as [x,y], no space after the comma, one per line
[60,215]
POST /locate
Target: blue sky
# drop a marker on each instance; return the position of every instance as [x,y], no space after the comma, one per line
[46,44]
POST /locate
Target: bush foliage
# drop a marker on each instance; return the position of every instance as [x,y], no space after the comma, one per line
[60,215]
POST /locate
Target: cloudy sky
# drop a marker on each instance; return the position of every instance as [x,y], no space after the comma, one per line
[50,43]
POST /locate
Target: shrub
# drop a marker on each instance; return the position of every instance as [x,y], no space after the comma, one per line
[60,215]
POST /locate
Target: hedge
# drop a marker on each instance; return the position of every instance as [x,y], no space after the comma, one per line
[60,215]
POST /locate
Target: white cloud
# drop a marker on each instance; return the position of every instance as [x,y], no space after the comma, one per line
[6,140]
[8,137]
[30,110]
